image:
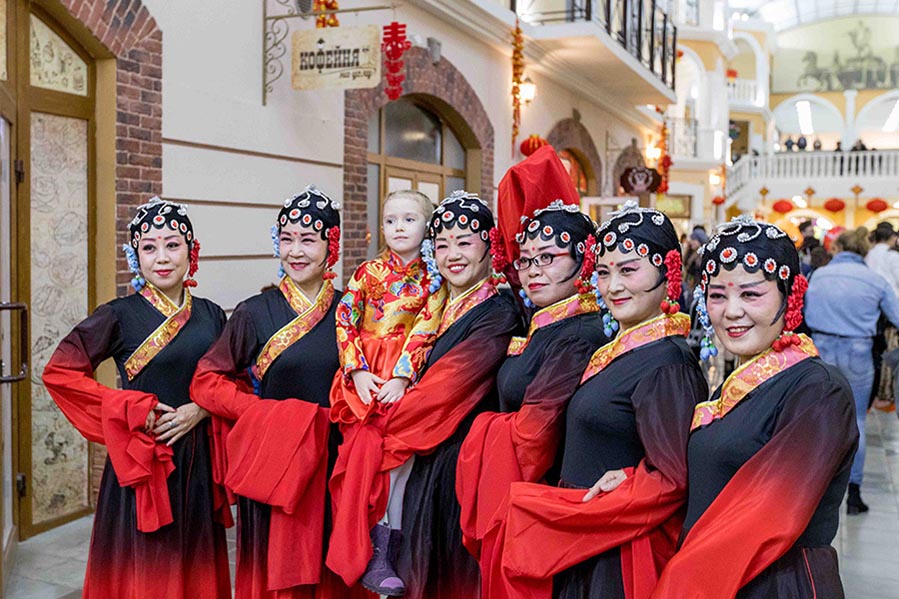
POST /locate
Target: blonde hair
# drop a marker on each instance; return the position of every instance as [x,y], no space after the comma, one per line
[425,205]
[855,241]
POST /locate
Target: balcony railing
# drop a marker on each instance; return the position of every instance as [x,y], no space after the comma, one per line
[811,167]
[743,91]
[682,137]
[639,26]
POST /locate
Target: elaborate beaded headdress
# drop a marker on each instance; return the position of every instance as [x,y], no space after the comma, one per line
[756,246]
[159,213]
[311,208]
[463,210]
[650,234]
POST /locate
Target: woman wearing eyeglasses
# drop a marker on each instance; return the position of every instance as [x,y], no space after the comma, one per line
[541,371]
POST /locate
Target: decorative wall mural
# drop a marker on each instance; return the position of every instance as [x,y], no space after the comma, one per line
[836,55]
[59,300]
[54,65]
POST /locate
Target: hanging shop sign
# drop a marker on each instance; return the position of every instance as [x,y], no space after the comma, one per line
[337,58]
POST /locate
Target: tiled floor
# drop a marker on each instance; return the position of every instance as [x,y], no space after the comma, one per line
[51,565]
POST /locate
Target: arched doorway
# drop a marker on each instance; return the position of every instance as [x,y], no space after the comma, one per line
[77,146]
[439,89]
[410,147]
[629,157]
[575,146]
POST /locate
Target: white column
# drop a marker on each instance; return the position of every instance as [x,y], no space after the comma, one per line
[849,132]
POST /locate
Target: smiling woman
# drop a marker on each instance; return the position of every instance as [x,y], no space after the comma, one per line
[763,498]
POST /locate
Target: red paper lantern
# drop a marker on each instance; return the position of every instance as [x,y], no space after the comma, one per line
[782,206]
[834,205]
[731,73]
[718,200]
[531,144]
[876,205]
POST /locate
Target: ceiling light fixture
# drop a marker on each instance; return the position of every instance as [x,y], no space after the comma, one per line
[804,111]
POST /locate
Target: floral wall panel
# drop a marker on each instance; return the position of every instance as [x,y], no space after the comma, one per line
[59,300]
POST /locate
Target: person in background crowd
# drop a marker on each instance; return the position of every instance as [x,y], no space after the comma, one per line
[769,455]
[844,300]
[819,257]
[156,532]
[809,242]
[885,262]
[692,259]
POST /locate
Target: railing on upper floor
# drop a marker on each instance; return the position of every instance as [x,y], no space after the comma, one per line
[743,91]
[682,137]
[639,26]
[812,166]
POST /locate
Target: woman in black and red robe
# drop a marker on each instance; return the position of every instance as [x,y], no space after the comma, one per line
[542,369]
[605,534]
[769,455]
[266,382]
[458,381]
[155,532]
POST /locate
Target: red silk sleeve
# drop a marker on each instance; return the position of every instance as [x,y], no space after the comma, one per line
[504,448]
[274,452]
[750,525]
[427,415]
[220,387]
[112,417]
[652,494]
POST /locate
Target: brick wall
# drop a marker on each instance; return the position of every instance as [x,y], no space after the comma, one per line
[441,82]
[129,32]
[571,133]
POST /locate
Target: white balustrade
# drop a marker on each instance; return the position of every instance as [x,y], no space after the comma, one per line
[743,91]
[812,167]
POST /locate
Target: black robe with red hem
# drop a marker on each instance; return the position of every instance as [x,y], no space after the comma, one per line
[427,415]
[520,443]
[183,553]
[274,450]
[766,481]
[633,415]
[433,562]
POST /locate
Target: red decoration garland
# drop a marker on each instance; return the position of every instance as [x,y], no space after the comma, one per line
[877,205]
[517,74]
[793,315]
[394,46]
[665,161]
[497,255]
[533,143]
[834,205]
[333,251]
[193,264]
[322,21]
[673,265]
[583,282]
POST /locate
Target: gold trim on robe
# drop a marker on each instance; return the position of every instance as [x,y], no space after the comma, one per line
[657,328]
[575,305]
[458,307]
[750,375]
[308,315]
[176,318]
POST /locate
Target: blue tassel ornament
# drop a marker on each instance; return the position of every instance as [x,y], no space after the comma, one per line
[427,255]
[707,349]
[138,280]
[525,299]
[276,248]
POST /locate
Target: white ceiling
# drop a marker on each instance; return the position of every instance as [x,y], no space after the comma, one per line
[784,14]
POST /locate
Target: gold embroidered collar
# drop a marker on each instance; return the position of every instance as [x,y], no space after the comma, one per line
[308,315]
[584,303]
[750,375]
[176,318]
[458,307]
[657,328]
